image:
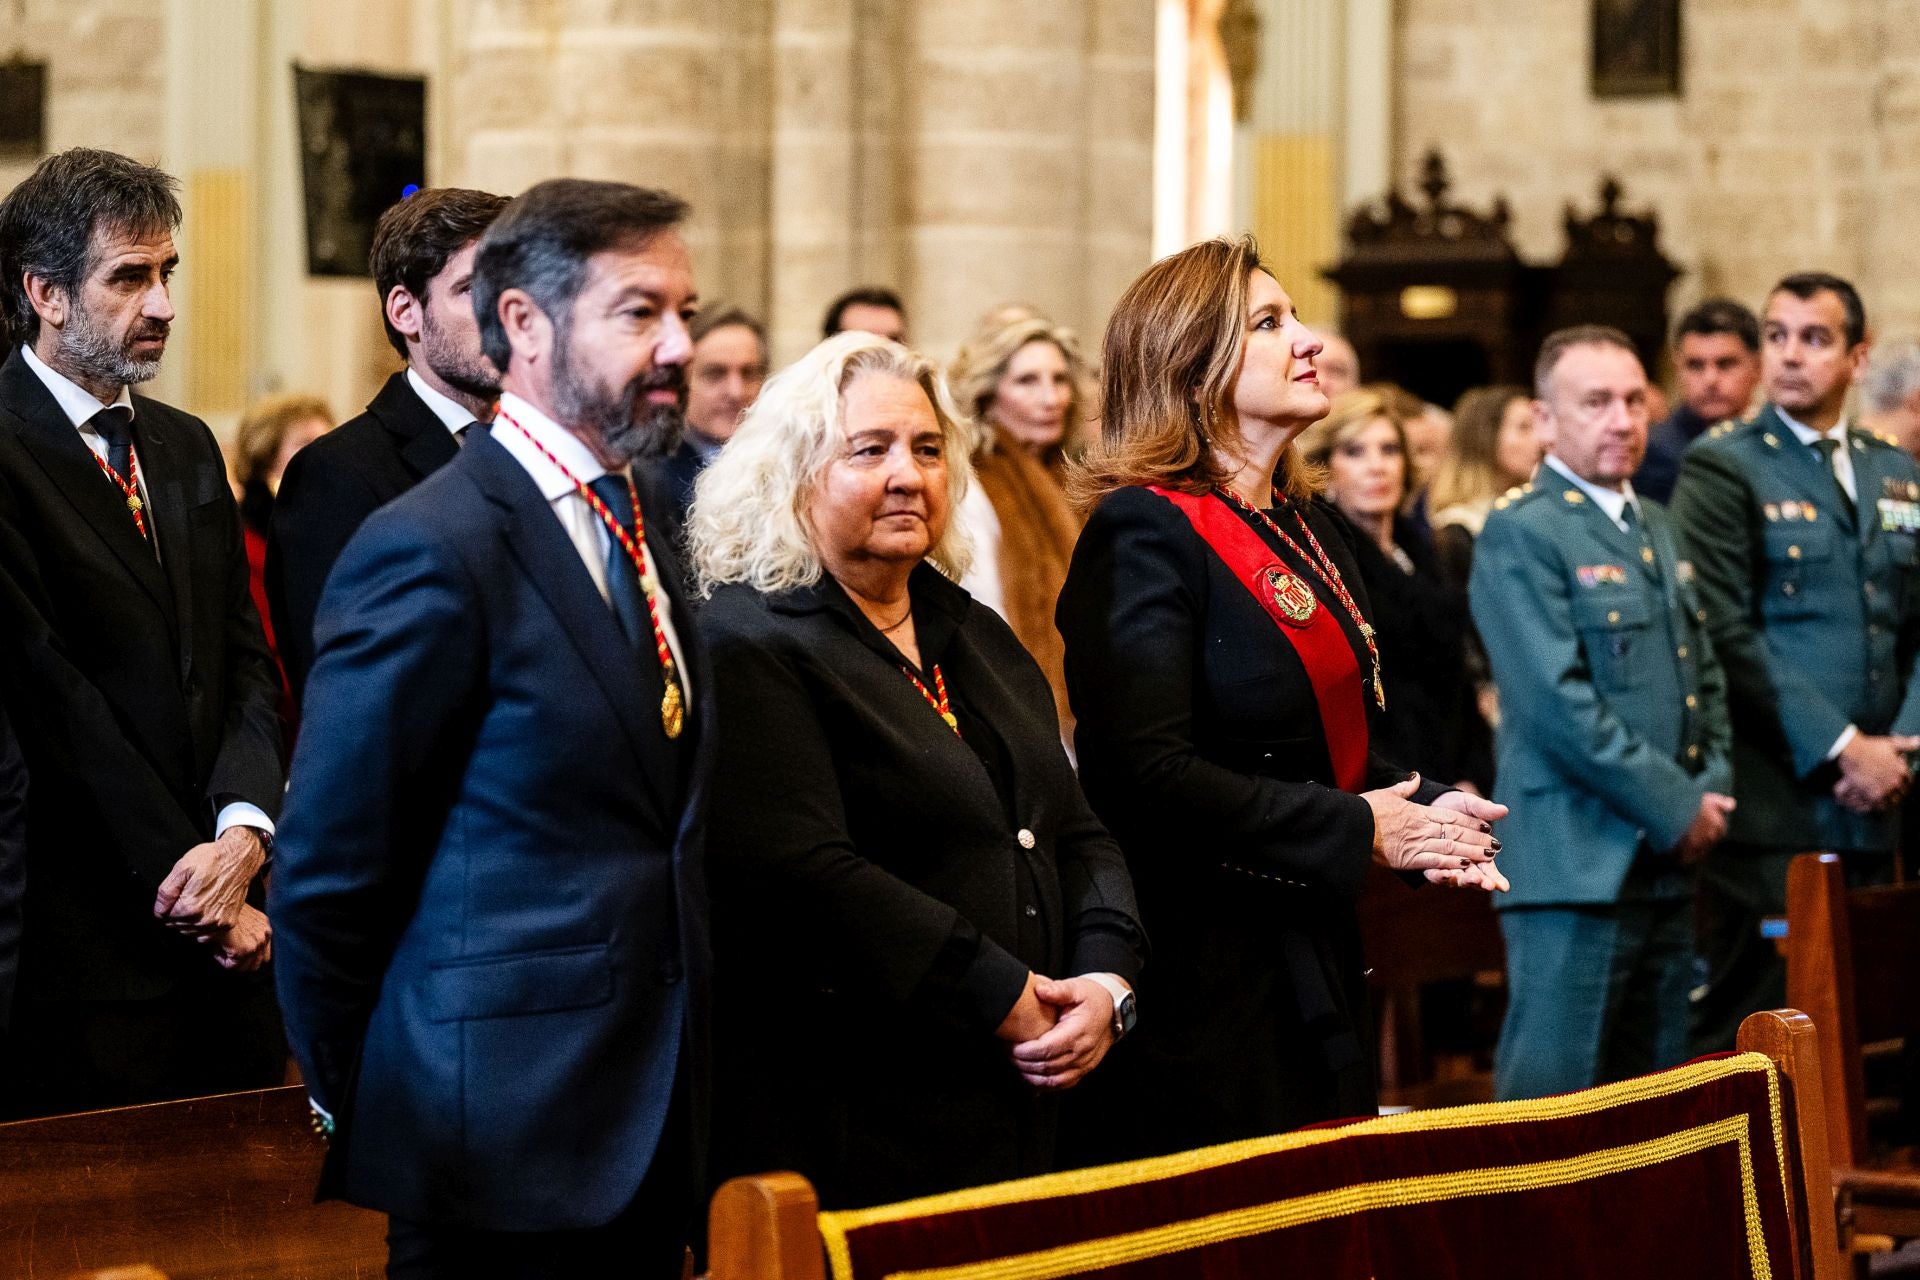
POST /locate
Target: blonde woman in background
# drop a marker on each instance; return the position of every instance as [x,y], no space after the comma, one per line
[1431,724]
[270,433]
[1493,449]
[1022,381]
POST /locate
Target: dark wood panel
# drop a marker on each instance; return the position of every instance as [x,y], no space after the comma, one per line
[206,1189]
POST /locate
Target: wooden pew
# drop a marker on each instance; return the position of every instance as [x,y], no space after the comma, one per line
[1361,1186]
[1852,958]
[216,1188]
[1414,938]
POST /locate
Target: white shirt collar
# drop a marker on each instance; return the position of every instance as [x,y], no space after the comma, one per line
[1806,434]
[562,443]
[75,401]
[1611,502]
[454,415]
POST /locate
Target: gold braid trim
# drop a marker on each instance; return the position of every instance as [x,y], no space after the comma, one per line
[1180,1237]
[835,1226]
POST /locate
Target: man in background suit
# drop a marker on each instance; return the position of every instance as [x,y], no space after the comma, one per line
[1716,350]
[133,664]
[422,263]
[1614,746]
[728,366]
[489,894]
[1802,529]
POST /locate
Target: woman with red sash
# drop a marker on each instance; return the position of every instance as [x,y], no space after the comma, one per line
[1223,671]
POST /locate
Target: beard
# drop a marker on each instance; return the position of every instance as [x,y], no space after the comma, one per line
[94,353]
[464,370]
[627,428]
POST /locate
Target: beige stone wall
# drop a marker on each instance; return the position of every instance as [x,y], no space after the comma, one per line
[1796,143]
[966,152]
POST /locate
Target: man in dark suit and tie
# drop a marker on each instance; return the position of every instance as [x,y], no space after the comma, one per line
[132,662]
[422,264]
[488,896]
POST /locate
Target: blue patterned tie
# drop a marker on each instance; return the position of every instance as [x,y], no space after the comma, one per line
[623,583]
[116,427]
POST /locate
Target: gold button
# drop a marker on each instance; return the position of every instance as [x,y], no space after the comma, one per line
[1693,753]
[1681,652]
[1701,615]
[1646,553]
[1793,553]
[1868,589]
[1613,615]
[1787,590]
[1692,702]
[1025,838]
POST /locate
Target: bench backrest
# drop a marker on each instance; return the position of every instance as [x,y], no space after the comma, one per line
[1707,1170]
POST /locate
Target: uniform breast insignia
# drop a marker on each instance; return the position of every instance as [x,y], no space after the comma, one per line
[1601,575]
[1789,511]
[1295,598]
[1899,506]
[1773,441]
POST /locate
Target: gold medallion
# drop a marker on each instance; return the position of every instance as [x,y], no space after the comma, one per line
[673,711]
[133,503]
[952,723]
[1295,598]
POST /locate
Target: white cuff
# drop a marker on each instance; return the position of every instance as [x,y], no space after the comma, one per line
[1110,984]
[1847,735]
[242,814]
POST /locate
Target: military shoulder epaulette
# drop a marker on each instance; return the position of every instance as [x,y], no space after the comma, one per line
[1511,496]
[1725,428]
[1884,437]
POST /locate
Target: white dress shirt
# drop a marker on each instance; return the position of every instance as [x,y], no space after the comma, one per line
[456,416]
[80,406]
[1612,502]
[589,534]
[1842,457]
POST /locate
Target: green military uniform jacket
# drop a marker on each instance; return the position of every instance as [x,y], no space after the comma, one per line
[1813,615]
[1613,716]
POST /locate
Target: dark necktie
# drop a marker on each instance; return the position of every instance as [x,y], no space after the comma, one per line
[623,583]
[468,432]
[1826,448]
[114,426]
[1630,516]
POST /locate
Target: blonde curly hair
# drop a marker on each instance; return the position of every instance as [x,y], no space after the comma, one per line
[748,523]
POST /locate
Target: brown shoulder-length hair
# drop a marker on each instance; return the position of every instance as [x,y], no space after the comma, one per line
[1171,356]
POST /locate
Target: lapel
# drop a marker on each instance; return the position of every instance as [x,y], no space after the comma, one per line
[422,440]
[163,467]
[1802,468]
[1600,527]
[70,467]
[544,552]
[938,608]
[1868,482]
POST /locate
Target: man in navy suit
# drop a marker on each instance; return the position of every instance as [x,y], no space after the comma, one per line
[488,898]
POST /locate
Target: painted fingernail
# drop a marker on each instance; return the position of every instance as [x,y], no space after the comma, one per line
[1495,846]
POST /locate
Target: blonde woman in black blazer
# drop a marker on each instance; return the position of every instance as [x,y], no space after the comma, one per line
[922,932]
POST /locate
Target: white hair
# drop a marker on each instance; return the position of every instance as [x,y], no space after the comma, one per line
[748,522]
[1893,375]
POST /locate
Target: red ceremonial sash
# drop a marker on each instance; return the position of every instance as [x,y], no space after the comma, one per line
[1320,641]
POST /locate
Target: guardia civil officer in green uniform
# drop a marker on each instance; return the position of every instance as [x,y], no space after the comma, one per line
[1801,531]
[1613,743]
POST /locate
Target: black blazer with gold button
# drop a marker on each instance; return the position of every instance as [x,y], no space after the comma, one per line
[882,886]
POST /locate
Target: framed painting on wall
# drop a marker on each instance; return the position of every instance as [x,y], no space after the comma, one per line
[1636,48]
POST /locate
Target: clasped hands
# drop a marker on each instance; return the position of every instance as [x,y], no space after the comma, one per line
[204,898]
[1874,773]
[1450,841]
[1058,1030]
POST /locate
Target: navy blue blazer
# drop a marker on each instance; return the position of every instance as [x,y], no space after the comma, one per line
[488,904]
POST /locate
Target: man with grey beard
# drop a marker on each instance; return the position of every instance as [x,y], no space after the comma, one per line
[488,897]
[134,669]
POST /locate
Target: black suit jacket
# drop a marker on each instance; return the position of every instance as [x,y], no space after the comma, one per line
[13,861]
[1201,748]
[880,881]
[142,692]
[488,903]
[329,489]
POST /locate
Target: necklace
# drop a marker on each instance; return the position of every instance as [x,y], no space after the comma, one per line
[1323,568]
[673,708]
[941,706]
[887,631]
